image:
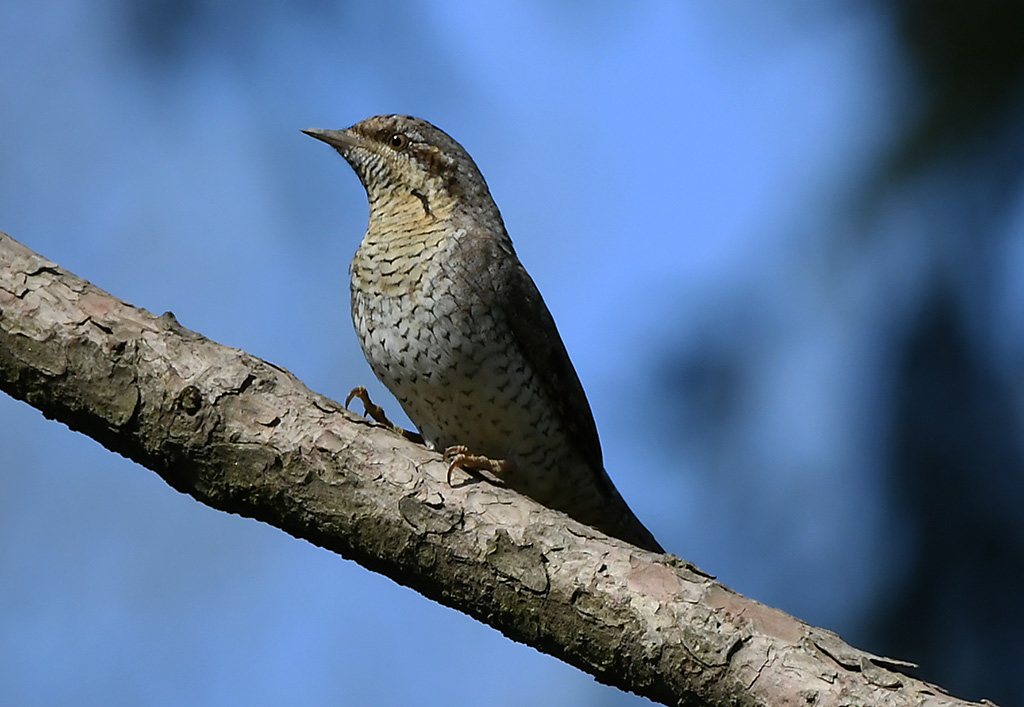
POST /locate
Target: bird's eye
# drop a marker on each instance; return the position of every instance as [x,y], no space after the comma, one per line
[398,141]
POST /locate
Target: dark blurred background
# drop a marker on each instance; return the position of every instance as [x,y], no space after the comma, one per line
[784,244]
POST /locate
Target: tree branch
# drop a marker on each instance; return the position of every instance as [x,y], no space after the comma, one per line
[242,435]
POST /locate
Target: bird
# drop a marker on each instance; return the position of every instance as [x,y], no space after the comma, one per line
[452,324]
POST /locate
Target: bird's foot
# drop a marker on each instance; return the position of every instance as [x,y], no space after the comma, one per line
[459,457]
[376,413]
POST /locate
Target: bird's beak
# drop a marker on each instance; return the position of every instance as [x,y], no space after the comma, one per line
[338,139]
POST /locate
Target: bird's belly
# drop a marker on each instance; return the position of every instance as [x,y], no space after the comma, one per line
[459,378]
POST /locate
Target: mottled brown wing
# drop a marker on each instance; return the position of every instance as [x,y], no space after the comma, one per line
[535,331]
[510,290]
[540,344]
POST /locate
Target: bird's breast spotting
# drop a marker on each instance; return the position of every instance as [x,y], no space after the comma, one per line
[445,354]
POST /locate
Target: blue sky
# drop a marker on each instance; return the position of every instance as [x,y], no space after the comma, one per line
[665,171]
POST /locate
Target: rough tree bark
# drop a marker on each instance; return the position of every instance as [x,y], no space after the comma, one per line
[244,436]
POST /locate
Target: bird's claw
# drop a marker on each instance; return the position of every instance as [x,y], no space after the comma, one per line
[370,409]
[459,457]
[376,413]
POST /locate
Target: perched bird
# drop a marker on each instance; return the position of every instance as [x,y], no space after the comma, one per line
[453,326]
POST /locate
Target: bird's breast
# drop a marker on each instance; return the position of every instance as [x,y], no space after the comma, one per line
[443,349]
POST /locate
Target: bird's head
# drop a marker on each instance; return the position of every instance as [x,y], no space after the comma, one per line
[404,161]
